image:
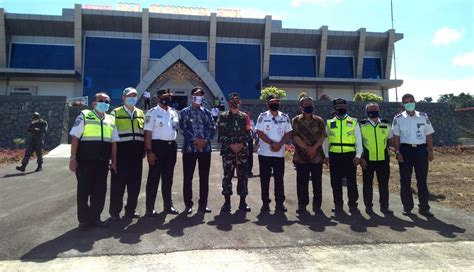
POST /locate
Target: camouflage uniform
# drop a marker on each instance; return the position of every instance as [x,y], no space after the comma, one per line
[234,129]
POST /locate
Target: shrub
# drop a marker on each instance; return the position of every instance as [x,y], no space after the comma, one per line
[367,97]
[271,90]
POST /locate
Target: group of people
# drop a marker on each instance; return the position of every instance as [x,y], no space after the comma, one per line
[122,139]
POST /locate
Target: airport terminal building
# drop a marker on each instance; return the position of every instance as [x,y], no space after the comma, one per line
[85,51]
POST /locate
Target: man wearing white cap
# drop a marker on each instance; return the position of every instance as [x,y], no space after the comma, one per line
[129,121]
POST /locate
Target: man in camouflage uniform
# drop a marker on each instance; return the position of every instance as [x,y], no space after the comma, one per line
[34,142]
[234,131]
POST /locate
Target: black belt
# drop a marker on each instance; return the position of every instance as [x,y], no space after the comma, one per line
[414,145]
[164,142]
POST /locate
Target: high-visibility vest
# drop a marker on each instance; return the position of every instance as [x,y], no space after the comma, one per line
[129,129]
[341,136]
[95,143]
[374,139]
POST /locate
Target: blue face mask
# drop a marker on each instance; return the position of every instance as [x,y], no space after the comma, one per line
[102,107]
[130,101]
[409,106]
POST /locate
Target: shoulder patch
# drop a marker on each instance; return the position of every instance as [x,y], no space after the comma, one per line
[78,120]
[398,115]
[423,113]
[260,119]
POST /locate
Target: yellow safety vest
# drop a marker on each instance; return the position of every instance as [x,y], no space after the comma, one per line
[129,129]
[374,139]
[341,136]
[96,129]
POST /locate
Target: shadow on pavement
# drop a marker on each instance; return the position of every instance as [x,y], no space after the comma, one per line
[19,174]
[144,225]
[316,223]
[177,225]
[273,222]
[224,221]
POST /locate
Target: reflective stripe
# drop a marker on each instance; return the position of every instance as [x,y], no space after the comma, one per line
[375,141]
[96,129]
[131,138]
[128,127]
[342,134]
[91,138]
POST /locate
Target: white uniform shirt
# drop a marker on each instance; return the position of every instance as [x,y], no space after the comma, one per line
[162,123]
[412,129]
[78,129]
[358,135]
[275,128]
[215,112]
[146,94]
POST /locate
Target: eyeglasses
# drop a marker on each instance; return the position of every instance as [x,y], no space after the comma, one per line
[104,101]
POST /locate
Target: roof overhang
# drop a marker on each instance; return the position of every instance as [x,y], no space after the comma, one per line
[16,73]
[334,82]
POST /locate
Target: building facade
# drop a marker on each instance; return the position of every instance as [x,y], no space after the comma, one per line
[85,51]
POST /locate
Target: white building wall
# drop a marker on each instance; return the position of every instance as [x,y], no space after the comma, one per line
[292,93]
[347,94]
[68,89]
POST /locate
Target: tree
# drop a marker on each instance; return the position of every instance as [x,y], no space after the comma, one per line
[426,100]
[367,97]
[271,90]
[463,100]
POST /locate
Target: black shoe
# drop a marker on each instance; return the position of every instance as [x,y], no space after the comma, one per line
[280,208]
[426,213]
[39,168]
[152,214]
[369,211]
[83,227]
[337,209]
[171,210]
[132,215]
[318,211]
[226,207]
[265,208]
[407,212]
[301,209]
[114,218]
[354,210]
[21,168]
[386,211]
[188,210]
[244,207]
[204,210]
[100,224]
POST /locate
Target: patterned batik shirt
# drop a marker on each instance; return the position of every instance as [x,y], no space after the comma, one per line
[309,131]
[196,123]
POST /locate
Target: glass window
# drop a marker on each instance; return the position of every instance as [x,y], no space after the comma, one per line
[339,67]
[292,65]
[159,48]
[372,68]
[111,65]
[42,56]
[238,68]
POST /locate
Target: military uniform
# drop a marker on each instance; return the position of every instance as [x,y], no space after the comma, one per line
[94,151]
[375,137]
[130,151]
[234,128]
[412,131]
[34,142]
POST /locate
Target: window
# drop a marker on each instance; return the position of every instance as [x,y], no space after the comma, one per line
[159,48]
[292,65]
[339,67]
[42,56]
[372,68]
[238,68]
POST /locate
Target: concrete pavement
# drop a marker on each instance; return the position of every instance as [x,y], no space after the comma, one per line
[38,215]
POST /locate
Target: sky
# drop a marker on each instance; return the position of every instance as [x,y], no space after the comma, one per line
[436,55]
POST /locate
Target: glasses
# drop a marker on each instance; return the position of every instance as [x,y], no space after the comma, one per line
[104,101]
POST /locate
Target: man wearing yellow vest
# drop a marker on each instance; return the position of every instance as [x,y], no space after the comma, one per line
[93,145]
[129,121]
[376,137]
[343,149]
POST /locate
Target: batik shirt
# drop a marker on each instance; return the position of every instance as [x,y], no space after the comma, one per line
[196,123]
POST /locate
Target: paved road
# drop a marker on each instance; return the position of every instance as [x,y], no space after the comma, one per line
[38,221]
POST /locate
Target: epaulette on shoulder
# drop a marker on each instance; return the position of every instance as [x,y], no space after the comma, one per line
[261,114]
[398,115]
[364,122]
[385,121]
[423,113]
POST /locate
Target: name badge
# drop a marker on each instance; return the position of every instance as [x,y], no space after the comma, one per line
[333,125]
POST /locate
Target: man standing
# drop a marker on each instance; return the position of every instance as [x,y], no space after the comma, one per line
[308,135]
[376,134]
[343,149]
[273,130]
[414,148]
[93,144]
[146,96]
[198,128]
[215,113]
[250,144]
[161,125]
[34,141]
[129,121]
[234,134]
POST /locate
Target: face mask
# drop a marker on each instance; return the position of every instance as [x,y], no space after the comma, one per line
[234,104]
[102,107]
[341,111]
[197,99]
[274,107]
[165,101]
[131,101]
[409,106]
[373,114]
[308,109]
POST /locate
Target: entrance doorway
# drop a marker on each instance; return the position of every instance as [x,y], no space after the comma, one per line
[179,102]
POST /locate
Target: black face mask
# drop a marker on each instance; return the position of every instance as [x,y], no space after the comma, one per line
[308,109]
[373,114]
[165,101]
[274,107]
[234,104]
[341,111]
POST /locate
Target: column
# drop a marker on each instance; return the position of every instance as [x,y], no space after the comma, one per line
[3,40]
[361,53]
[145,55]
[78,38]
[322,51]
[267,39]
[212,44]
[389,53]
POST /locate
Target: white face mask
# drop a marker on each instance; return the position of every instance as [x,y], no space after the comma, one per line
[197,99]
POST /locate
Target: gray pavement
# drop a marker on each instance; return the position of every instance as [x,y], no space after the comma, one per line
[38,226]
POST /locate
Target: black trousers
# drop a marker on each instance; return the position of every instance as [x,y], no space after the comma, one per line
[250,157]
[382,170]
[414,157]
[34,146]
[147,104]
[302,181]
[267,164]
[189,164]
[129,176]
[91,189]
[341,165]
[163,168]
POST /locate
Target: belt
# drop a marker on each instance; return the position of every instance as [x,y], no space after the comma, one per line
[414,145]
[163,141]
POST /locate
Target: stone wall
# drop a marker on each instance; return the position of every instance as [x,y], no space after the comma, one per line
[464,118]
[16,114]
[441,115]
